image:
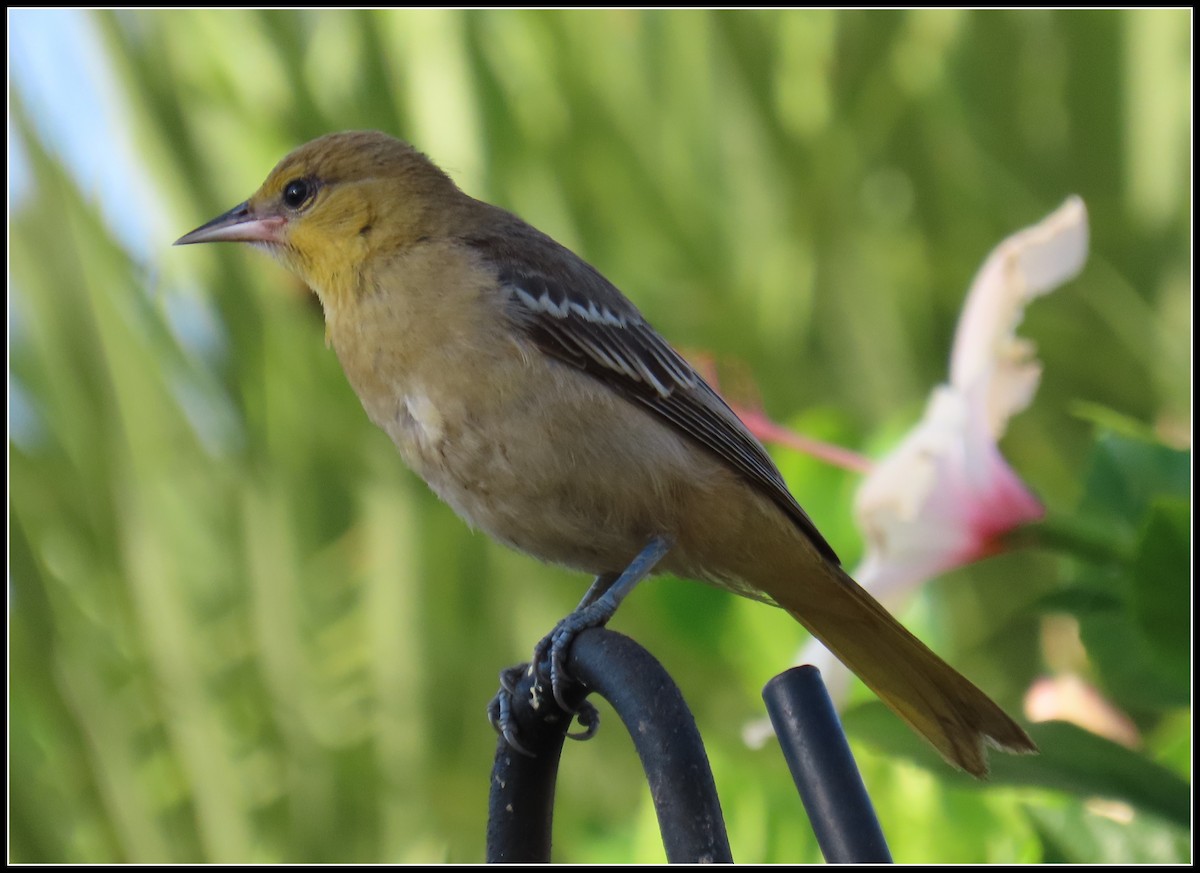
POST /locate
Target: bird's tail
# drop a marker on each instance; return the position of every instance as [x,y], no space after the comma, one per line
[937,701]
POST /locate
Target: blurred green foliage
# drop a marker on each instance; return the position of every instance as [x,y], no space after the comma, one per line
[1131,618]
[240,631]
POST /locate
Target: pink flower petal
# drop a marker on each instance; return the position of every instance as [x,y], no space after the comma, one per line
[945,496]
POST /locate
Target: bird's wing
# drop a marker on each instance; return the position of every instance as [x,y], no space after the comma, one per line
[577,316]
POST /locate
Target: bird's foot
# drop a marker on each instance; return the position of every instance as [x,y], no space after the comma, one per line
[549,665]
[526,679]
[554,648]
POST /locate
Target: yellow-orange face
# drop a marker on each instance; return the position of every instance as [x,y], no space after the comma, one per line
[331,203]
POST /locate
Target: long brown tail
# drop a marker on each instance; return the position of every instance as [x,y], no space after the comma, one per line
[938,702]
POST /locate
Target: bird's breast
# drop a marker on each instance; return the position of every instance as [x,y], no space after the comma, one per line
[522,448]
[537,454]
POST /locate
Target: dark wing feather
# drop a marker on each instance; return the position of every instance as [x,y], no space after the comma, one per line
[576,315]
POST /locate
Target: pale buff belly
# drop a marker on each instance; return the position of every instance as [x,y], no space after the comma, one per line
[556,465]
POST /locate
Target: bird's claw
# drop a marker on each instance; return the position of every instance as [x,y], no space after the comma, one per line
[551,653]
[555,646]
[500,709]
[589,717]
[549,656]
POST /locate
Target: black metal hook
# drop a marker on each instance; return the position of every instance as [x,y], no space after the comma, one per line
[521,805]
[662,728]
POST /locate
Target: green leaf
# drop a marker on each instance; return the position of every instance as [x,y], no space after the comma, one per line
[1161,587]
[1070,759]
[1072,834]
[1137,623]
[1127,475]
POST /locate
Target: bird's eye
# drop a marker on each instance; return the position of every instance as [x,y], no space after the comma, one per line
[297,192]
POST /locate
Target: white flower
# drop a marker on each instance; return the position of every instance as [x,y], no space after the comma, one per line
[945,496]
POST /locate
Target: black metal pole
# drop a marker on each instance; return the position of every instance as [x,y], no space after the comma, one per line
[662,728]
[521,801]
[667,740]
[823,767]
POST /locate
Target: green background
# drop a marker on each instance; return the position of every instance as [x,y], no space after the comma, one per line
[240,631]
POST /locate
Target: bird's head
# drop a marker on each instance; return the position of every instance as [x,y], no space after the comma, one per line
[333,203]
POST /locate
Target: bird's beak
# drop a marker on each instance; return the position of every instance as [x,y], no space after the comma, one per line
[240,224]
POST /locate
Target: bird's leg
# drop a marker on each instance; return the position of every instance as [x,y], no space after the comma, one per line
[594,610]
[597,607]
[597,589]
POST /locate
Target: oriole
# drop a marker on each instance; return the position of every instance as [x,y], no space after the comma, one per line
[535,399]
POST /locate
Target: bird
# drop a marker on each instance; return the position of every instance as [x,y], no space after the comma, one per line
[534,398]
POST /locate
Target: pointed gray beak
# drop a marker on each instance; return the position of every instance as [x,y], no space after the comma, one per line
[239,224]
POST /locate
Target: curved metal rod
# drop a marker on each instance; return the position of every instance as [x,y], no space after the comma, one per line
[521,804]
